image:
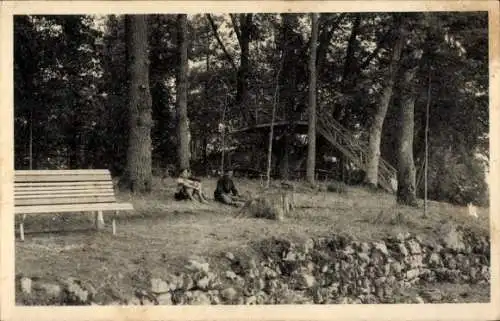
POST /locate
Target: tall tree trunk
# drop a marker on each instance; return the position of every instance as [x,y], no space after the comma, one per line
[72,145]
[311,134]
[206,95]
[288,81]
[349,67]
[205,155]
[242,80]
[273,117]
[285,156]
[139,160]
[349,64]
[406,193]
[181,99]
[371,177]
[288,91]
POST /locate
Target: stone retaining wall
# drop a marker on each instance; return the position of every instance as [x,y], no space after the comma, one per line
[326,270]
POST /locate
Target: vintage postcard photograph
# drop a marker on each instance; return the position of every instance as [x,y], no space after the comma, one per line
[249,160]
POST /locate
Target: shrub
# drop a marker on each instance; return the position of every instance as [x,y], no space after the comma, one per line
[337,187]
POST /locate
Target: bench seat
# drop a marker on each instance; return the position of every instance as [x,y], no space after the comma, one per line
[68,208]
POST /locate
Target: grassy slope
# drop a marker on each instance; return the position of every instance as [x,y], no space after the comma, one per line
[161,233]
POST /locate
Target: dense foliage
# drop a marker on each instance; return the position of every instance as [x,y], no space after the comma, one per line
[71,90]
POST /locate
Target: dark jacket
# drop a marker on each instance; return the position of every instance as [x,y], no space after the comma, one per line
[225,185]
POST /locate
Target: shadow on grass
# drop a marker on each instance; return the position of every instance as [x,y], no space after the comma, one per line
[60,232]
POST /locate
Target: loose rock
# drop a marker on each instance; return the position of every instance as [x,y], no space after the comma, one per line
[26,285]
[164,299]
[159,286]
[229,294]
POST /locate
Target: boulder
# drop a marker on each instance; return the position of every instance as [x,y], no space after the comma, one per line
[305,280]
[402,249]
[200,298]
[196,266]
[364,257]
[365,247]
[452,238]
[230,275]
[412,274]
[164,299]
[308,246]
[49,290]
[230,256]
[414,246]
[203,283]
[26,285]
[433,295]
[434,259]
[485,272]
[380,246]
[187,282]
[229,294]
[159,286]
[214,296]
[415,261]
[251,300]
[76,293]
[402,236]
[450,262]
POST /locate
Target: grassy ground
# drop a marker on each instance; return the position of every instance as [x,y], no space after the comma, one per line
[161,234]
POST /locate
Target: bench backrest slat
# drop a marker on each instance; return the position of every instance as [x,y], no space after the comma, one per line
[63,178]
[59,187]
[48,184]
[63,191]
[60,195]
[59,172]
[65,200]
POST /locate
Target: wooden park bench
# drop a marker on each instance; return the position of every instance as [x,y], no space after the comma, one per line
[65,191]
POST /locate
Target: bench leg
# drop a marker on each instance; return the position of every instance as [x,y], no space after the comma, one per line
[21,227]
[99,220]
[114,222]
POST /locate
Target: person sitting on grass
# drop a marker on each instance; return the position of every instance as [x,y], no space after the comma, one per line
[189,188]
[226,192]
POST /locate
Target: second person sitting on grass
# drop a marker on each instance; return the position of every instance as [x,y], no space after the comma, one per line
[226,192]
[190,188]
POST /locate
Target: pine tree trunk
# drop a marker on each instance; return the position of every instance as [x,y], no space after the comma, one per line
[406,193]
[371,177]
[285,157]
[311,134]
[181,99]
[138,172]
[242,79]
[288,80]
[349,66]
[271,129]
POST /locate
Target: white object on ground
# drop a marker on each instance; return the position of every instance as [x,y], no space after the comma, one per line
[472,210]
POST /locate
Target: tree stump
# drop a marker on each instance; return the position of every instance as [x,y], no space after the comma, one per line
[270,205]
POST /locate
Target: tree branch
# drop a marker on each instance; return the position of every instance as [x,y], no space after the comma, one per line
[349,62]
[236,27]
[371,56]
[325,37]
[216,34]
